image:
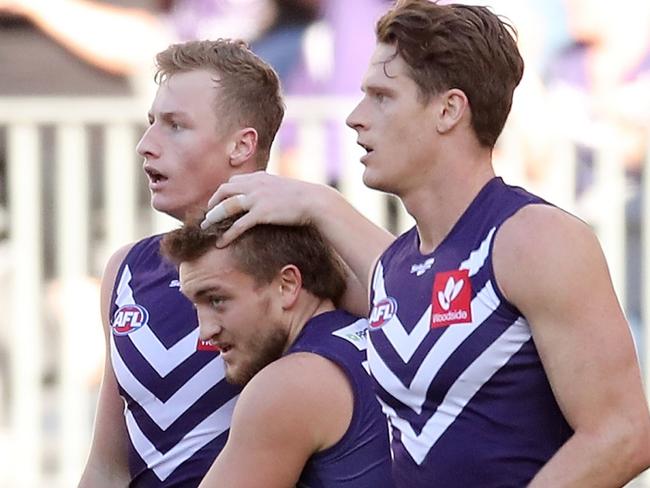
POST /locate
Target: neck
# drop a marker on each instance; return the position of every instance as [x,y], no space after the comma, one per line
[309,306]
[440,200]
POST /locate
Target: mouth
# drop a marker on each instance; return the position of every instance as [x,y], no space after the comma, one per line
[367,148]
[154,176]
[223,347]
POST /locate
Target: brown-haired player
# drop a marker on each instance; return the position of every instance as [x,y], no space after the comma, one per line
[308,415]
[164,405]
[497,345]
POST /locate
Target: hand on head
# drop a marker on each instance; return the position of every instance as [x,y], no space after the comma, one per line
[266,199]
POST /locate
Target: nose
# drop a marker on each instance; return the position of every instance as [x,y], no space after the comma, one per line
[355,120]
[147,147]
[208,326]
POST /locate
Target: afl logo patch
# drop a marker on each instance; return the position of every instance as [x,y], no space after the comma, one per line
[129,318]
[382,312]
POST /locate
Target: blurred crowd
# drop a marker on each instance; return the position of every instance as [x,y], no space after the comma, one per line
[587,62]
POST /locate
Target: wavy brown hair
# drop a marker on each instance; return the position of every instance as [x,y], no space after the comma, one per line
[458,46]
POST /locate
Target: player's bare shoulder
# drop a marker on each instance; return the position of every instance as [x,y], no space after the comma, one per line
[541,244]
[303,376]
[110,274]
[117,257]
[296,388]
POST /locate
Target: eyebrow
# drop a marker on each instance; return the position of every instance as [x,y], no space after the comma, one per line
[379,81]
[169,115]
[374,88]
[201,293]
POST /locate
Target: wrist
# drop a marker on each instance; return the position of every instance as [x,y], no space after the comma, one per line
[320,200]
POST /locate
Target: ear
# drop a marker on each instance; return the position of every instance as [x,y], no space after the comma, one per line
[453,105]
[289,285]
[243,146]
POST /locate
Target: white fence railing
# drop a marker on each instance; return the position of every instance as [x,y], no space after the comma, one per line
[75,193]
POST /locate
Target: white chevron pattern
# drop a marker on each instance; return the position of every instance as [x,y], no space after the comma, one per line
[467,384]
[477,257]
[164,464]
[414,394]
[461,392]
[164,413]
[164,361]
[406,343]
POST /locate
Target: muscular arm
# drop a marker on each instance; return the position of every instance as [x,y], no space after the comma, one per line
[116,39]
[551,267]
[278,200]
[293,408]
[107,464]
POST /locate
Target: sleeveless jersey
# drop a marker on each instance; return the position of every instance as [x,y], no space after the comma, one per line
[178,404]
[453,362]
[361,459]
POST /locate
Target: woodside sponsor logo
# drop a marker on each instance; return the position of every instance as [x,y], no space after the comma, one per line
[451,299]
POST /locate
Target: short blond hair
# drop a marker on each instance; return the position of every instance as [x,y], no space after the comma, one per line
[250,94]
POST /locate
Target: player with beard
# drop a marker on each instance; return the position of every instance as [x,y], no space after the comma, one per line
[307,415]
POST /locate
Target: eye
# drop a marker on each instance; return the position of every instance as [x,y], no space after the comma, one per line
[174,125]
[217,302]
[377,95]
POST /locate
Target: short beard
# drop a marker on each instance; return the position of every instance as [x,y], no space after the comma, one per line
[267,349]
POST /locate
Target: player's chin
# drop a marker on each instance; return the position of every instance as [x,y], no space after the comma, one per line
[167,206]
[237,376]
[373,180]
[158,201]
[368,177]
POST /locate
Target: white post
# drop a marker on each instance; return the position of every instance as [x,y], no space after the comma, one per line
[72,235]
[610,224]
[121,181]
[26,347]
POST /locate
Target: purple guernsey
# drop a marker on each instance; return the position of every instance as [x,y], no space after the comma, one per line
[454,363]
[178,404]
[361,459]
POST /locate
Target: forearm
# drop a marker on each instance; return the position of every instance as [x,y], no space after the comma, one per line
[602,460]
[107,464]
[358,241]
[355,298]
[97,475]
[117,40]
